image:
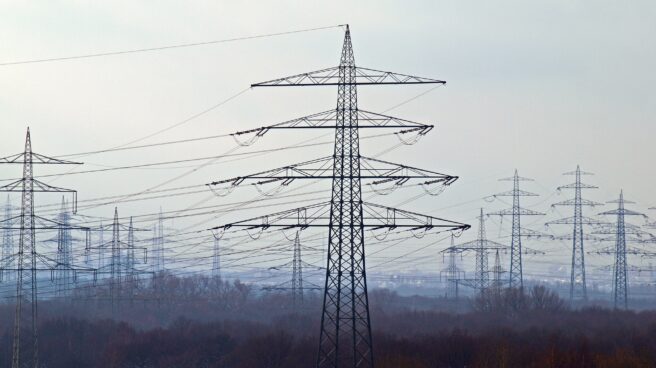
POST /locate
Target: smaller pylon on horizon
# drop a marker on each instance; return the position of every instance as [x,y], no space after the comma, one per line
[158,245]
[64,274]
[6,262]
[453,273]
[516,273]
[618,232]
[297,285]
[577,286]
[481,248]
[297,273]
[497,271]
[216,259]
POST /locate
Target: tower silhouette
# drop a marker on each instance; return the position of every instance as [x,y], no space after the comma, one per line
[6,265]
[481,247]
[345,335]
[516,273]
[577,287]
[28,261]
[619,231]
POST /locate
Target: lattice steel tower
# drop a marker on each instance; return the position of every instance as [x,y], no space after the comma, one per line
[28,261]
[345,335]
[516,279]
[453,273]
[620,229]
[6,264]
[577,286]
[216,259]
[481,247]
[158,245]
[64,275]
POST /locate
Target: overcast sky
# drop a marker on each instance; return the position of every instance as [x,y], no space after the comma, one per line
[540,86]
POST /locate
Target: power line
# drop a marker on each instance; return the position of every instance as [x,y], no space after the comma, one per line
[160,48]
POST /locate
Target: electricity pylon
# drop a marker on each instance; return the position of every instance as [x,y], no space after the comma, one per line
[7,245]
[216,259]
[296,285]
[453,273]
[619,231]
[481,247]
[516,279]
[497,271]
[122,261]
[577,286]
[345,335]
[28,262]
[64,275]
[158,245]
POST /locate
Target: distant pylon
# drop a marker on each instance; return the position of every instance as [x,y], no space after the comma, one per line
[131,277]
[481,247]
[297,273]
[216,259]
[63,275]
[497,283]
[296,286]
[620,230]
[453,273]
[516,279]
[115,266]
[6,264]
[482,274]
[101,248]
[577,286]
[158,245]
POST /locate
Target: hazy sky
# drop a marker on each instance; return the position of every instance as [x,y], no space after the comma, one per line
[540,86]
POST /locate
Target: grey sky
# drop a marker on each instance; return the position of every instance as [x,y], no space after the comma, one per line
[539,86]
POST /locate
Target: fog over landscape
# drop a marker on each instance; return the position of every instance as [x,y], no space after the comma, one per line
[173,210]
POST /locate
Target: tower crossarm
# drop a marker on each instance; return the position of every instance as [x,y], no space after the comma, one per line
[586,237]
[327,120]
[38,187]
[22,158]
[573,202]
[509,212]
[374,216]
[624,212]
[575,186]
[361,76]
[510,193]
[629,250]
[631,268]
[571,220]
[322,168]
[478,244]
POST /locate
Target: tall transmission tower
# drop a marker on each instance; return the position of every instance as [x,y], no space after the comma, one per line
[577,286]
[619,231]
[28,260]
[216,259]
[7,245]
[453,273]
[481,247]
[516,273]
[345,335]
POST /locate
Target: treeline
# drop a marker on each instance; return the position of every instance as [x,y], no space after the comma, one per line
[189,323]
[69,342]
